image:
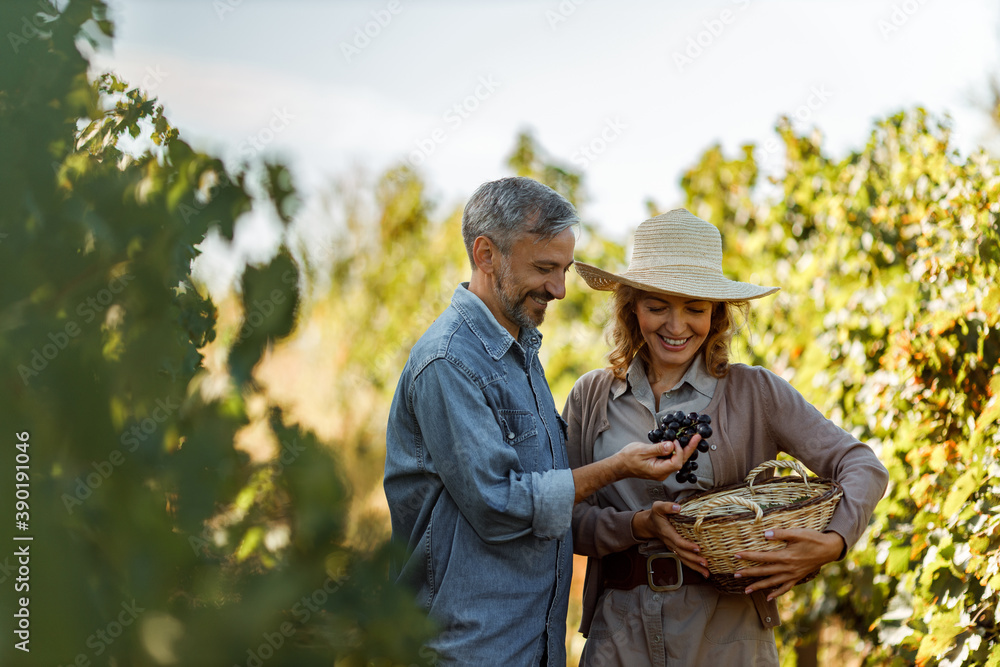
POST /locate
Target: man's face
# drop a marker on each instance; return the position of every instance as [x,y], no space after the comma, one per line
[532,275]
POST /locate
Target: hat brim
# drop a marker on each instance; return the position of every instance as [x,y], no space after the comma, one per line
[693,284]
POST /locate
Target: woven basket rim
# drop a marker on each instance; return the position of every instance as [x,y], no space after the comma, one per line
[833,491]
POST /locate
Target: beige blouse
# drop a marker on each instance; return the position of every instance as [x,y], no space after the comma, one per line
[632,414]
[755,415]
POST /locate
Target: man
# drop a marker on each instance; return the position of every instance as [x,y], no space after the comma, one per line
[476,473]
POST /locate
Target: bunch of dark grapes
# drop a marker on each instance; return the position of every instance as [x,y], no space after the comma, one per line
[681,427]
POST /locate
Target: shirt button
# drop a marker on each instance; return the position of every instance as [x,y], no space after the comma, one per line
[656,598]
[656,638]
[714,447]
[767,620]
[510,436]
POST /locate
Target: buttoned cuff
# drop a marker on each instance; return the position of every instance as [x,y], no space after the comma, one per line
[553,494]
[843,551]
[840,525]
[631,530]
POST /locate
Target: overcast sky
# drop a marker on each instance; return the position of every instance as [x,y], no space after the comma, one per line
[630,91]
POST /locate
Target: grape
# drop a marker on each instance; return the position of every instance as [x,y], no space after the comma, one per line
[682,427]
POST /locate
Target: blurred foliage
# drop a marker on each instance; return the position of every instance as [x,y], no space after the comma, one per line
[212,470]
[159,536]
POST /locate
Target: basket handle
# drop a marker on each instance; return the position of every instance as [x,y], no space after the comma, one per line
[793,465]
[728,500]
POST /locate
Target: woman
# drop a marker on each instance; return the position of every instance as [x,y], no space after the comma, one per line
[647,600]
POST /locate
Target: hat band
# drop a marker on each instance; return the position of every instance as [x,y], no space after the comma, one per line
[672,272]
[693,282]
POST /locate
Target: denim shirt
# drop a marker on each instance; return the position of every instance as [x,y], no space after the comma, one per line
[480,490]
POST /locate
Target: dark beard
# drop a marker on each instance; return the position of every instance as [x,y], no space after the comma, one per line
[513,307]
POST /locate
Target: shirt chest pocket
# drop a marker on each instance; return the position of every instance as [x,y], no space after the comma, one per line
[520,431]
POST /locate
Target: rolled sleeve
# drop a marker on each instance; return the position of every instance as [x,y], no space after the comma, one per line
[466,448]
[829,451]
[553,493]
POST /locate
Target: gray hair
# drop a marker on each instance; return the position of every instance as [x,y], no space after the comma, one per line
[507,209]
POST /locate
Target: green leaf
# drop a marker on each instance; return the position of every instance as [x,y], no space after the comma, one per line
[944,627]
[964,487]
[898,561]
[251,540]
[994,657]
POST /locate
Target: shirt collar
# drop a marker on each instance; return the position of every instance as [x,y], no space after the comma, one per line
[495,338]
[696,375]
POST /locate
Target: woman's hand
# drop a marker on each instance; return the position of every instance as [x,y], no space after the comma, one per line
[645,461]
[652,524]
[805,551]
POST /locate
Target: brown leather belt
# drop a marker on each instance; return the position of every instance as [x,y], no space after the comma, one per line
[660,571]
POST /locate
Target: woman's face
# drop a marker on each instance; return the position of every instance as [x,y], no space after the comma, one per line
[674,327]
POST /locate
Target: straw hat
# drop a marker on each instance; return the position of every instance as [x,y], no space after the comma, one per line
[680,254]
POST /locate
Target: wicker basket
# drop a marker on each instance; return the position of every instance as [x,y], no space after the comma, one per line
[732,519]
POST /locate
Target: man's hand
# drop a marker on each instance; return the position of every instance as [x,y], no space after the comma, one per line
[653,461]
[636,459]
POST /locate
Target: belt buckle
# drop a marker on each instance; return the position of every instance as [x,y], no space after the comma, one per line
[649,571]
